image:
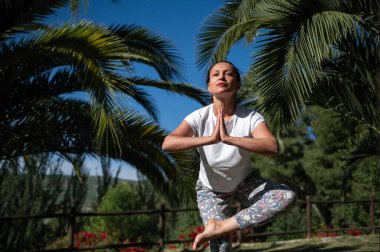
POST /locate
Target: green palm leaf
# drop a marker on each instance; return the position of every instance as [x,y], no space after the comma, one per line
[295,37]
[66,126]
[351,81]
[180,88]
[216,25]
[65,89]
[22,16]
[149,48]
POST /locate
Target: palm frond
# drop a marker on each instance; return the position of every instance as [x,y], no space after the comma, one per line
[67,126]
[151,49]
[295,37]
[197,94]
[41,74]
[75,6]
[349,81]
[215,26]
[290,59]
[95,51]
[363,157]
[22,16]
[227,26]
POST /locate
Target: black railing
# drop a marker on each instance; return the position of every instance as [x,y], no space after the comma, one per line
[73,215]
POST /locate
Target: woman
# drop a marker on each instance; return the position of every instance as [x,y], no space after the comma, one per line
[226,135]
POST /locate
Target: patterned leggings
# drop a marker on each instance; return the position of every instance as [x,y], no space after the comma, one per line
[261,200]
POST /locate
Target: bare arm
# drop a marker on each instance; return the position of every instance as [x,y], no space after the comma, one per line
[182,139]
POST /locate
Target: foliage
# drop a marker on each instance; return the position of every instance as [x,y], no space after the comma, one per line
[125,197]
[310,54]
[312,163]
[180,224]
[291,220]
[189,233]
[289,166]
[323,160]
[106,180]
[293,41]
[325,53]
[83,239]
[66,88]
[35,188]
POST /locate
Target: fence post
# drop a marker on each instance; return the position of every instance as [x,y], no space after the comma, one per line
[372,213]
[162,227]
[308,216]
[71,228]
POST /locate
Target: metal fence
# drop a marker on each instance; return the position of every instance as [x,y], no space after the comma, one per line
[163,211]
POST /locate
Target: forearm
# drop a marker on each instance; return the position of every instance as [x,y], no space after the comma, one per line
[182,143]
[264,146]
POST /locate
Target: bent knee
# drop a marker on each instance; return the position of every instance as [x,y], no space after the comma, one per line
[290,198]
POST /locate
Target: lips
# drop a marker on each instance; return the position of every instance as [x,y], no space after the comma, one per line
[221,84]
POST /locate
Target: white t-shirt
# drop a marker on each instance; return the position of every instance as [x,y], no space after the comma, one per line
[223,166]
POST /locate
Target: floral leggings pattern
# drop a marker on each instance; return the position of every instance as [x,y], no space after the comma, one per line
[261,201]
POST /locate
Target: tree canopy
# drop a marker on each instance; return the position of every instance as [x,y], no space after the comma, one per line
[44,68]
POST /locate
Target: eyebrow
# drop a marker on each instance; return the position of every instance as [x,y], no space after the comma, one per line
[226,70]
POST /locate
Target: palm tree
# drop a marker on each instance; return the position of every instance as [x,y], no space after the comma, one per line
[294,39]
[43,69]
[322,52]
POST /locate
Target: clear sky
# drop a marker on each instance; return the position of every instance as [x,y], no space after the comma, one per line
[178,21]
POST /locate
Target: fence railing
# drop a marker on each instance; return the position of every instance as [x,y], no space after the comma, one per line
[73,215]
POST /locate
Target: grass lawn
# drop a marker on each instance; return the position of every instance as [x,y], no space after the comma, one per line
[340,243]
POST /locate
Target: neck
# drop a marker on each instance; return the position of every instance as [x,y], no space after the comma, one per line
[228,106]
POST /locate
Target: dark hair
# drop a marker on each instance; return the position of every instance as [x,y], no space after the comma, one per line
[237,71]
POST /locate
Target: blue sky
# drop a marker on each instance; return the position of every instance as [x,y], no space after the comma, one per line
[179,22]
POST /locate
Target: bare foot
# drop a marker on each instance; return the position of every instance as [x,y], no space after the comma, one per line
[212,230]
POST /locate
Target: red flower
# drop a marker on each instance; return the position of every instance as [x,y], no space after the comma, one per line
[104,235]
[200,229]
[354,232]
[192,235]
[334,234]
[181,237]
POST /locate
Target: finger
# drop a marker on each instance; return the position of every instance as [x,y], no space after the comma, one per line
[221,115]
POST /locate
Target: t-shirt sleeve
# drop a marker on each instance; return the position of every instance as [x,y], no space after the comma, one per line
[256,119]
[191,119]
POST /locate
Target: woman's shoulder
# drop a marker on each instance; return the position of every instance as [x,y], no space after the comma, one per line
[199,113]
[246,112]
[203,110]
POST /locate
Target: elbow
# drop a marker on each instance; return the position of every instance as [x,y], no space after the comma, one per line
[164,145]
[274,148]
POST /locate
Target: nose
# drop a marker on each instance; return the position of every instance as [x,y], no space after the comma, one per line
[222,77]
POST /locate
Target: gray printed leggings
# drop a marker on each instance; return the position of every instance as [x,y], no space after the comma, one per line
[261,201]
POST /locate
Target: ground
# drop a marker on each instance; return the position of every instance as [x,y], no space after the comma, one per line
[340,243]
[364,243]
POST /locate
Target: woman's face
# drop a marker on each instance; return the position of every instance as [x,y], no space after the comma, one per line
[223,80]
